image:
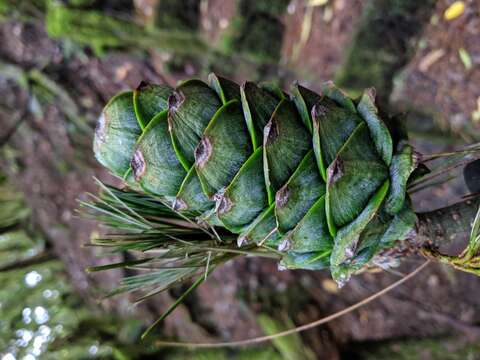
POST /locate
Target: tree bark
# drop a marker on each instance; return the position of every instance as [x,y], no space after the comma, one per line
[382,44]
[447,225]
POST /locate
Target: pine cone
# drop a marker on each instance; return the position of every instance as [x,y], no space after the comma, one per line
[313,175]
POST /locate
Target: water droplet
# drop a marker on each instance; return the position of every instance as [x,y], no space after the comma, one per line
[32,279]
[92,350]
[41,315]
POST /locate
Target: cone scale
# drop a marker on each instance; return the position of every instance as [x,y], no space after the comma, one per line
[318,177]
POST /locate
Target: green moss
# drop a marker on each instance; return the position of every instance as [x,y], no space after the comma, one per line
[81,3]
[249,7]
[89,28]
[256,31]
[258,36]
[382,44]
[102,32]
[178,15]
[23,10]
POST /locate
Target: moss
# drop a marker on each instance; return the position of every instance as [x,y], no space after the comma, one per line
[81,3]
[88,27]
[258,36]
[249,7]
[256,31]
[23,10]
[382,44]
[178,15]
[102,32]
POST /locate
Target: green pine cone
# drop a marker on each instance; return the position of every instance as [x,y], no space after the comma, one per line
[315,176]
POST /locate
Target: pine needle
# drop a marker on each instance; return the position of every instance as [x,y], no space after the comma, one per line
[468,150]
[105,188]
[298,329]
[172,307]
[436,173]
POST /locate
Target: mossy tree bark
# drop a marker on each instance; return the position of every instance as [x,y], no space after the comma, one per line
[256,31]
[382,44]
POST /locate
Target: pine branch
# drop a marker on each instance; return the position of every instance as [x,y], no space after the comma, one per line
[447,225]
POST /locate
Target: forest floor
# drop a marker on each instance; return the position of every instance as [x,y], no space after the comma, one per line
[51,161]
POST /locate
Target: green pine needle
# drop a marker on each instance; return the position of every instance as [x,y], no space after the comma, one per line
[174,248]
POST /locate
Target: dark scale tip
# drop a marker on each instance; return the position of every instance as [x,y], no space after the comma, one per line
[281,197]
[143,85]
[247,85]
[179,205]
[224,204]
[335,171]
[138,165]
[318,111]
[203,152]
[271,132]
[175,100]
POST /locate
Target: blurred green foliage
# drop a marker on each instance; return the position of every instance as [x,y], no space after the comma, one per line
[382,44]
[249,7]
[98,29]
[40,313]
[23,10]
[254,37]
[290,347]
[256,30]
[92,28]
[13,209]
[178,15]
